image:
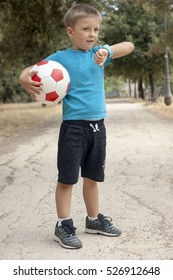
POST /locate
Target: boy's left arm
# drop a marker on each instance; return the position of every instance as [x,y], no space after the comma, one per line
[114,51]
[121,49]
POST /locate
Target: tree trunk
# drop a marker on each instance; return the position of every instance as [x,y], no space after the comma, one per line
[135,89]
[140,89]
[152,87]
[130,90]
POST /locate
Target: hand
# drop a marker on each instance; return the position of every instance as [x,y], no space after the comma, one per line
[28,84]
[101,56]
[34,87]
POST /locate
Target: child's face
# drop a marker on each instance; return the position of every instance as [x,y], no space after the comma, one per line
[85,32]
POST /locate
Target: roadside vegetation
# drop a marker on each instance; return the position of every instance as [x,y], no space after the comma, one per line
[30,30]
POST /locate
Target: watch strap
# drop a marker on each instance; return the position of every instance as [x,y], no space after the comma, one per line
[110,53]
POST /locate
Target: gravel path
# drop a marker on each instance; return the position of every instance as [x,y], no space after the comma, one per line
[137,192]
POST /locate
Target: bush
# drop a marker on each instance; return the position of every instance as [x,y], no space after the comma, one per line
[10,90]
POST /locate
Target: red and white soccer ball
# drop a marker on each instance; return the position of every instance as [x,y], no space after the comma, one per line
[55,80]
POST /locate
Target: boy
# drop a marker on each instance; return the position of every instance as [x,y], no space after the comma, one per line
[82,138]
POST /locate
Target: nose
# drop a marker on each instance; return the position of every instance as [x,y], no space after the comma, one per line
[92,33]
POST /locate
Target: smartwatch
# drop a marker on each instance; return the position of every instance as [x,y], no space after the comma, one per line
[110,53]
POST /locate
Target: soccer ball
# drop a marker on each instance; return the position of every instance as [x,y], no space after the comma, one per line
[55,80]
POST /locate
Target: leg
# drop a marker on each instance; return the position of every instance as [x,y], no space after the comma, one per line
[63,200]
[68,162]
[100,224]
[65,233]
[91,197]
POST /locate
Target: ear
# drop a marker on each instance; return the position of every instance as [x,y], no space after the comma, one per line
[69,31]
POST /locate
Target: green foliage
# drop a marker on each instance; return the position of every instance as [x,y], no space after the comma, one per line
[142,23]
[10,91]
[113,84]
[31,30]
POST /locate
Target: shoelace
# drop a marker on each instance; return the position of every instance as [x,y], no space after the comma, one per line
[105,220]
[69,229]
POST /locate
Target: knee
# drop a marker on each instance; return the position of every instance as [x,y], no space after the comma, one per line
[89,182]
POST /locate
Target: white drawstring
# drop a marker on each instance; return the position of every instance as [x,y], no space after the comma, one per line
[96,128]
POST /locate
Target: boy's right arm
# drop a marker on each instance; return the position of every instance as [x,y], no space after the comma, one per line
[28,84]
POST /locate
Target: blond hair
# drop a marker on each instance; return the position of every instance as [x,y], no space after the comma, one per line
[80,11]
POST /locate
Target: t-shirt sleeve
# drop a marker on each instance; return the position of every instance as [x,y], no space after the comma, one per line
[54,57]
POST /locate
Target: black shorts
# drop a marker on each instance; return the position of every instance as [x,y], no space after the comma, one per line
[82,144]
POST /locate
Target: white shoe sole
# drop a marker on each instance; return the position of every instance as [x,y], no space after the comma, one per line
[94,231]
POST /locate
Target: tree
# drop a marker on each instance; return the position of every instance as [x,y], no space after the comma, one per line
[29,31]
[139,22]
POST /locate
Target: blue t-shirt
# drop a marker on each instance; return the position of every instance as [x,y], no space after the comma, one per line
[85,99]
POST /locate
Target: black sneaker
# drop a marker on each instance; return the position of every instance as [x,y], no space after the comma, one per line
[102,225]
[66,235]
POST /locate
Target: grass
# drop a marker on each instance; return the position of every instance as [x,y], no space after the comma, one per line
[160,108]
[21,118]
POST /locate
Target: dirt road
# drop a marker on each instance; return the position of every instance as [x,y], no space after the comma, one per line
[137,192]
